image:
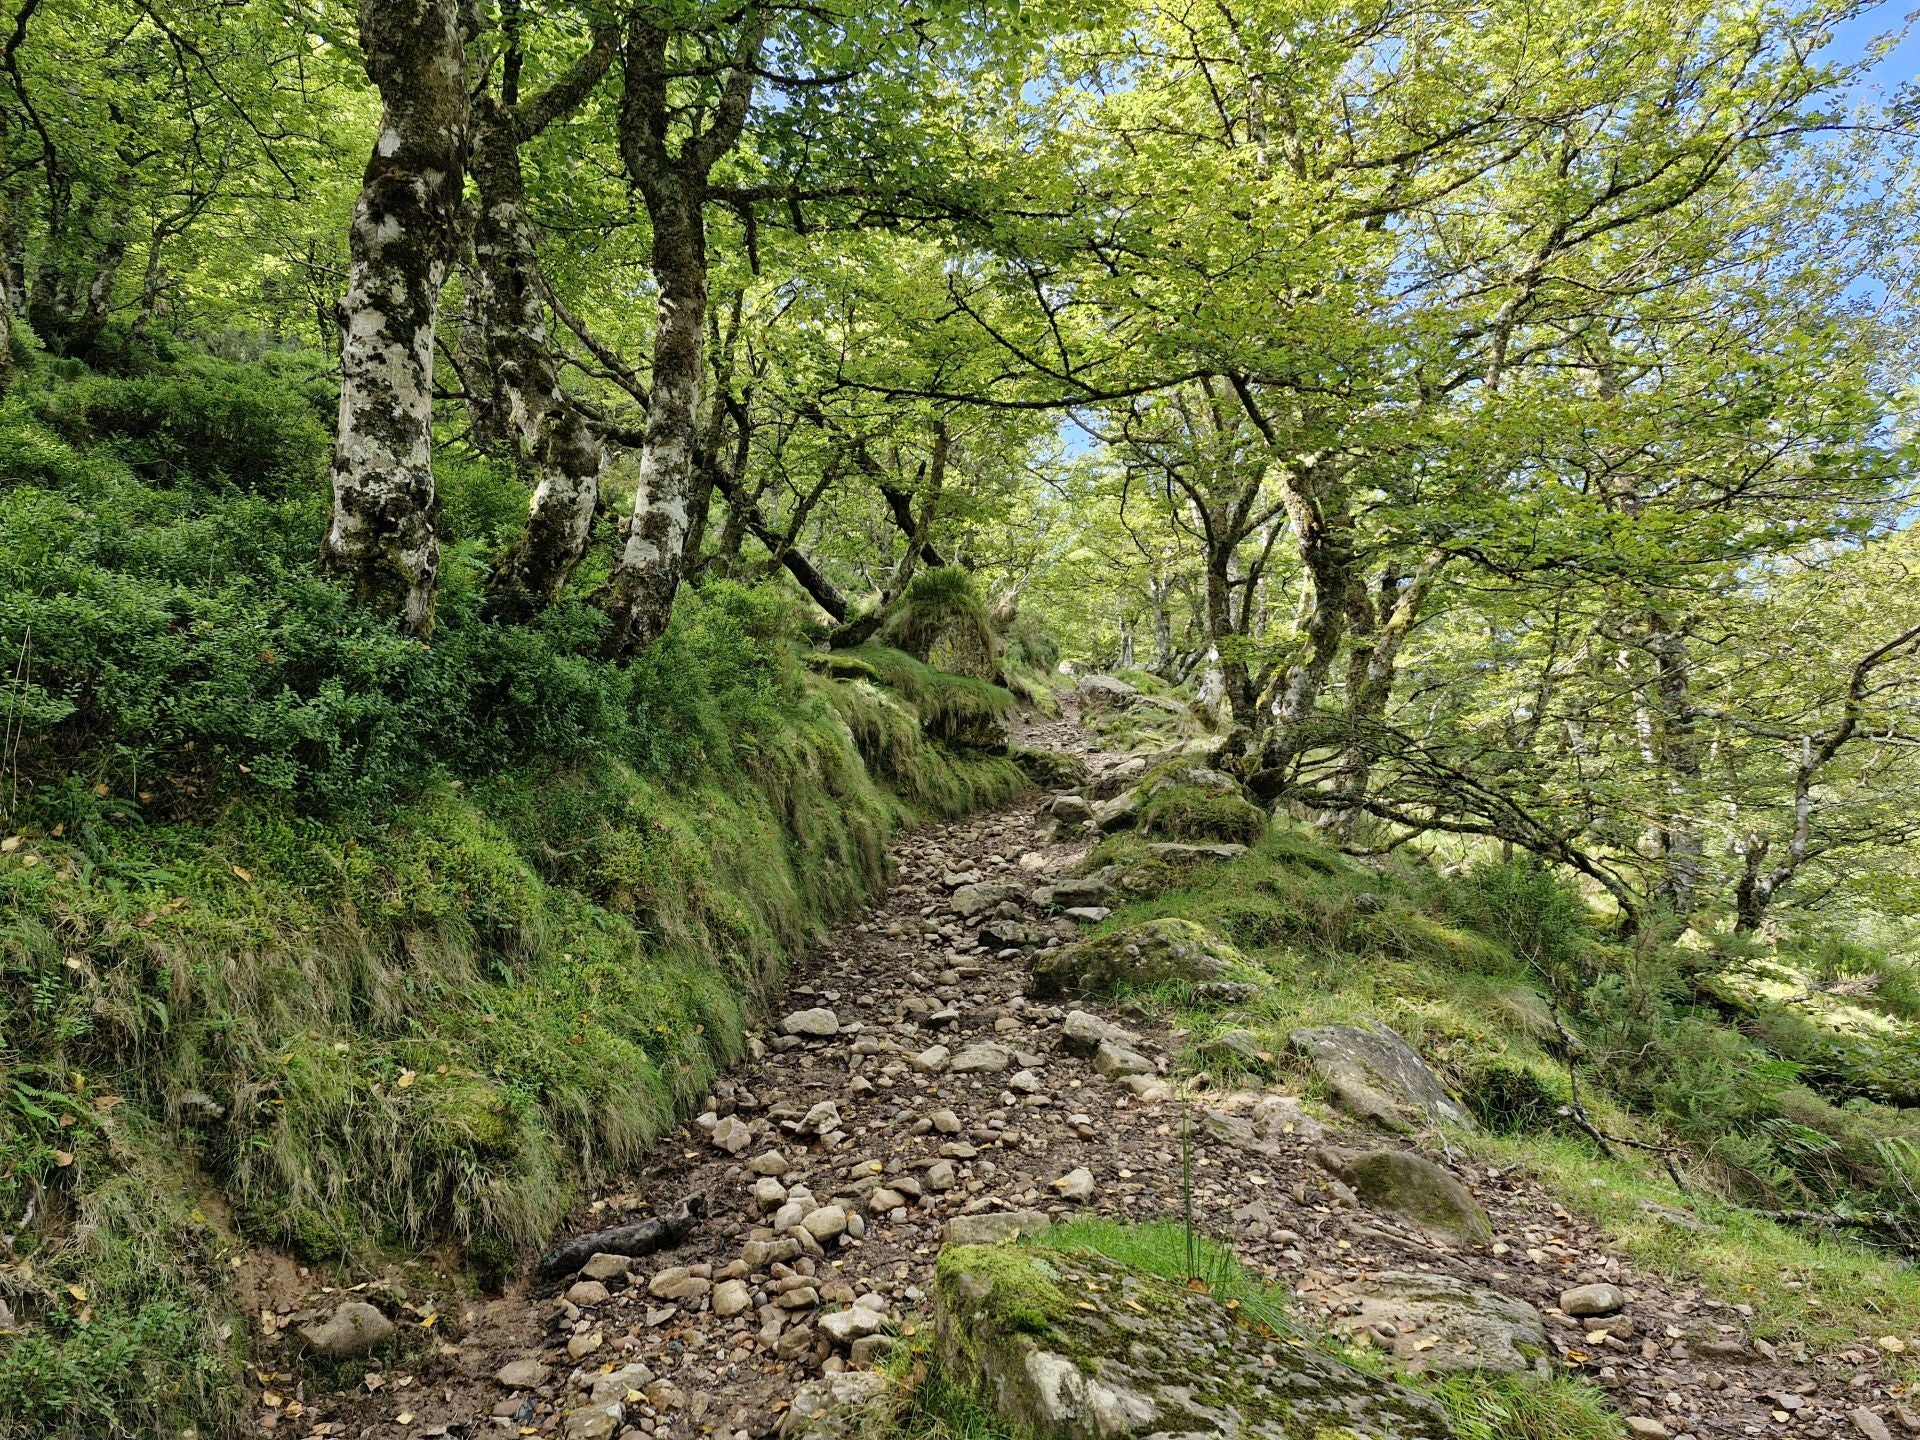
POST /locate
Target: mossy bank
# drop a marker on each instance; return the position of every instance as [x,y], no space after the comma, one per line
[317,938]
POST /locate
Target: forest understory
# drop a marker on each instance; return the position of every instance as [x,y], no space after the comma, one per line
[1105,720]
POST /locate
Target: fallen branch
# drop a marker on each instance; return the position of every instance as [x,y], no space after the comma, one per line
[643,1237]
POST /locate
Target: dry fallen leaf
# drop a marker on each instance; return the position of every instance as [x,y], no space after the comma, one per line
[63,1158]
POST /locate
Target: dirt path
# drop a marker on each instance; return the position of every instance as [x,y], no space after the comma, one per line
[726,1325]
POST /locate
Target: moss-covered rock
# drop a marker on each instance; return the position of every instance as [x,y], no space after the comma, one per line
[1154,952]
[1202,812]
[1081,1347]
[1414,1187]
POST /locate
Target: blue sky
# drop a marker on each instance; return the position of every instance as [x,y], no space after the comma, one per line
[1899,65]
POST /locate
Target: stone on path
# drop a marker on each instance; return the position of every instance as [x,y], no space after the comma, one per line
[1870,1424]
[1113,1061]
[1083,1034]
[1437,1324]
[1645,1427]
[819,1023]
[1076,1185]
[970,902]
[1583,1301]
[1150,1358]
[732,1135]
[1153,952]
[731,1298]
[838,1407]
[604,1267]
[1412,1187]
[1377,1076]
[595,1422]
[522,1374]
[985,1057]
[354,1328]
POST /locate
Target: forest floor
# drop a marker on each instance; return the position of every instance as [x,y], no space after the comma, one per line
[912,975]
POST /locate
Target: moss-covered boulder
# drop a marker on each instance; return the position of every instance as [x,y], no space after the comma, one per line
[1080,1347]
[1153,952]
[1412,1187]
[1202,812]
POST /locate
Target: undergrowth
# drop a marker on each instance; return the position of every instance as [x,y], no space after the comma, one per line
[322,937]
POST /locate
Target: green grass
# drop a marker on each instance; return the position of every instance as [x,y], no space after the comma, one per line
[1168,1249]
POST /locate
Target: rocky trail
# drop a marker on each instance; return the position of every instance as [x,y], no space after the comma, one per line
[910,1089]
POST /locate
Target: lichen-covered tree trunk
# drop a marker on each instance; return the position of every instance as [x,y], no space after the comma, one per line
[405,233]
[554,445]
[1682,845]
[1373,665]
[1323,534]
[71,297]
[639,595]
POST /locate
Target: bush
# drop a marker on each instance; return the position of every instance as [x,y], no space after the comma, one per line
[1512,1099]
[1535,913]
[215,424]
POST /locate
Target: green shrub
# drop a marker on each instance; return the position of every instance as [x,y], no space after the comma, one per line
[1510,1098]
[942,620]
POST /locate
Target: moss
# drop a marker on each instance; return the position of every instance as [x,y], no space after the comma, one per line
[1025,1300]
[1192,812]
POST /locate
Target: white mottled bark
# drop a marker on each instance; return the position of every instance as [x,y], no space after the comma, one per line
[404,235]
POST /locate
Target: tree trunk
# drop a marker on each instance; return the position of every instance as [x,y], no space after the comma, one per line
[1323,534]
[405,234]
[639,596]
[71,297]
[554,446]
[1681,840]
[1372,670]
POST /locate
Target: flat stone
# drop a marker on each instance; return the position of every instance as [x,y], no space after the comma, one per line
[818,1023]
[932,1060]
[939,1176]
[970,902]
[994,1227]
[837,1407]
[1079,1347]
[1583,1301]
[1176,852]
[604,1267]
[581,1346]
[846,1326]
[1441,1324]
[984,1058]
[354,1328]
[587,1292]
[769,1162]
[1377,1076]
[1645,1427]
[731,1298]
[627,1383]
[1114,1061]
[522,1374]
[595,1422]
[1413,1187]
[678,1283]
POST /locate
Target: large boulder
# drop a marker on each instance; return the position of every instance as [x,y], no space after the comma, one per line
[1103,692]
[1080,1347]
[1432,1324]
[1378,1076]
[1412,1187]
[1153,952]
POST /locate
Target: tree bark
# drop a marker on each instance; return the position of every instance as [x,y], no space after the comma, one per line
[554,445]
[639,594]
[404,235]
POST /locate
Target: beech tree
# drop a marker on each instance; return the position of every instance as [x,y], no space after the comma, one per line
[405,236]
